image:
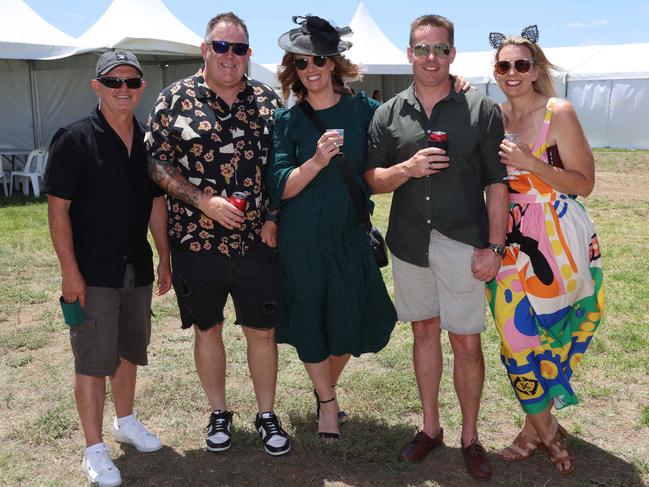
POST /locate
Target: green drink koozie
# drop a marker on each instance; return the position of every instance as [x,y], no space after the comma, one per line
[72,312]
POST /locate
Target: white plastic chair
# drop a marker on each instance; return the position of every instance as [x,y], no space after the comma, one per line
[3,178]
[33,171]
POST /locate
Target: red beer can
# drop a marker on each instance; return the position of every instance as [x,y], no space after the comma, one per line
[439,140]
[238,199]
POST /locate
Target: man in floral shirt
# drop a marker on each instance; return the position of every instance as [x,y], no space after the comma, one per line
[209,136]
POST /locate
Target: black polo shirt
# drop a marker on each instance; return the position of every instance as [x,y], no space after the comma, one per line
[111,196]
[451,201]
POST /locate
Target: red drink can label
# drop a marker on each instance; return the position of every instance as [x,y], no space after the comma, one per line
[439,140]
[238,199]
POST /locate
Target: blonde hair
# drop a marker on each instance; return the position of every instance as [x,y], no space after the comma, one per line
[544,83]
[344,71]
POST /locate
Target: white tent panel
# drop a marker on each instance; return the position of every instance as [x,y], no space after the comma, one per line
[629,107]
[591,99]
[15,100]
[26,35]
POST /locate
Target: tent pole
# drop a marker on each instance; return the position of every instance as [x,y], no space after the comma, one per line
[36,116]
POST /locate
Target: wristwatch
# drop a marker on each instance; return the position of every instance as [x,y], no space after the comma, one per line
[498,249]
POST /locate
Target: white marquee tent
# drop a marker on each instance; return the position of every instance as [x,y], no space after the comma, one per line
[54,83]
[44,73]
[607,84]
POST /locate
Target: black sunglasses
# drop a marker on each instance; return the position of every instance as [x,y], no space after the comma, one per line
[521,65]
[221,47]
[115,83]
[301,62]
[440,50]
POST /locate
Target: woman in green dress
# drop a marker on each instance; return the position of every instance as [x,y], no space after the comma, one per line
[333,302]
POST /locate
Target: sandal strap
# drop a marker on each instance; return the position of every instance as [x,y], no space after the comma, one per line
[328,400]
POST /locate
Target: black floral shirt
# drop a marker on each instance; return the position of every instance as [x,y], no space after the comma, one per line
[218,148]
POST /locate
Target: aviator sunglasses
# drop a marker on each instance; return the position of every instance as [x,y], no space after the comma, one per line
[521,65]
[301,63]
[115,83]
[440,50]
[238,48]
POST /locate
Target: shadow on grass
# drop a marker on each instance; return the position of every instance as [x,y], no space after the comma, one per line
[19,199]
[366,456]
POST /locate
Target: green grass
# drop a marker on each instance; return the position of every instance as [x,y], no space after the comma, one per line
[41,441]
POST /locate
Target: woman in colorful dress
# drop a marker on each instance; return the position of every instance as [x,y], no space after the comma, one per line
[333,301]
[547,299]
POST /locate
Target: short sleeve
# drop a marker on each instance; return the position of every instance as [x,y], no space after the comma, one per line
[64,166]
[378,145]
[161,137]
[282,157]
[491,135]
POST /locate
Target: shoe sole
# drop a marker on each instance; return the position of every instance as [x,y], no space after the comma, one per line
[94,482]
[217,449]
[143,450]
[277,453]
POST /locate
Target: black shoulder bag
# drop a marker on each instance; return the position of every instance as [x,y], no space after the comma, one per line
[377,242]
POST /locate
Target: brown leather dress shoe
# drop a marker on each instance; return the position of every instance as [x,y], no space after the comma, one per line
[477,463]
[420,446]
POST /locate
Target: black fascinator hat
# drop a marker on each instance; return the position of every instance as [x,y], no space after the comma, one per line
[315,37]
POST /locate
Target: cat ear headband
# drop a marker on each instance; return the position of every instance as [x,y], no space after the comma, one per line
[531,33]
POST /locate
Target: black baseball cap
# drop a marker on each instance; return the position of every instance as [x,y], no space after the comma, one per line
[119,57]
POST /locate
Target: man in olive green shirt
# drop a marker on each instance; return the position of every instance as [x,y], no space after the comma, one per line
[445,241]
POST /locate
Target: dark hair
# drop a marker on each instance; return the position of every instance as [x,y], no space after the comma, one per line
[543,84]
[433,21]
[344,71]
[227,17]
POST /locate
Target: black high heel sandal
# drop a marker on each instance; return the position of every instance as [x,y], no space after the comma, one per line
[343,417]
[325,435]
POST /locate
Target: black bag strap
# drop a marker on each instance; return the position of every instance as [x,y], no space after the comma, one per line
[355,191]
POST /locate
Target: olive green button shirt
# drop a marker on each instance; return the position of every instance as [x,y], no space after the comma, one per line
[452,201]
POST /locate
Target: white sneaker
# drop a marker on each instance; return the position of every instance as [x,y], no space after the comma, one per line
[134,433]
[100,469]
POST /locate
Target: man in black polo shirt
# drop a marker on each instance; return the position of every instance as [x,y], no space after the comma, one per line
[100,201]
[209,137]
[445,241]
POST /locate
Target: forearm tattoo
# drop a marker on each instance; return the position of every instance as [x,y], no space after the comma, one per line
[166,175]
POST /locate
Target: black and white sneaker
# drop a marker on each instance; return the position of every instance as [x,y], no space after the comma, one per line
[219,431]
[270,431]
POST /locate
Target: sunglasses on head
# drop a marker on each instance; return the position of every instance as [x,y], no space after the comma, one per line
[115,83]
[521,65]
[238,48]
[440,50]
[301,62]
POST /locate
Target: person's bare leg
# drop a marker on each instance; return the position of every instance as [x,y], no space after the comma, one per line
[122,384]
[427,359]
[209,357]
[337,364]
[262,363]
[546,426]
[90,394]
[320,374]
[468,378]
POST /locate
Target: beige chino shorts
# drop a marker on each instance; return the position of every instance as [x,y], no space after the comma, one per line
[445,289]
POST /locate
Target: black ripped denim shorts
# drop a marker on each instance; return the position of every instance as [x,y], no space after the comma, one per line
[203,281]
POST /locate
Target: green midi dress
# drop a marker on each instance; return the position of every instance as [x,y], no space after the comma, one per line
[333,299]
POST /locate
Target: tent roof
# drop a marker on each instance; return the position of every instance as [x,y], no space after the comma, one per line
[141,26]
[597,62]
[26,35]
[372,49]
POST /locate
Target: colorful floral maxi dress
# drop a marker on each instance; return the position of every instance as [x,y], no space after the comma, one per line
[547,299]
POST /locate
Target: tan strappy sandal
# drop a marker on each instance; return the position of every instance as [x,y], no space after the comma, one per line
[522,448]
[560,454]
